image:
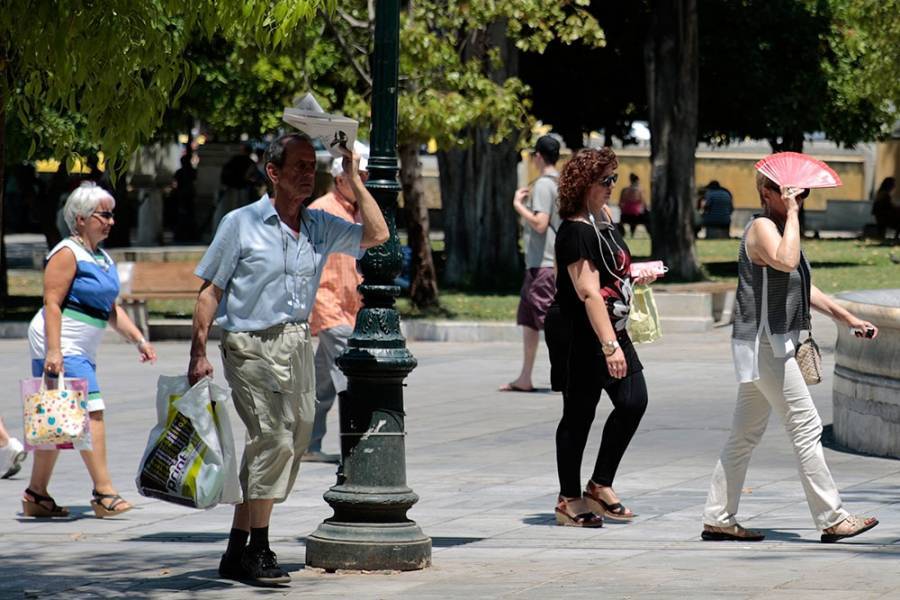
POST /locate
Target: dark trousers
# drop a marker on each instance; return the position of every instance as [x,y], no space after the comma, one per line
[629,398]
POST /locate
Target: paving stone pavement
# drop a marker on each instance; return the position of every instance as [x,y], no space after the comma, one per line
[483,465]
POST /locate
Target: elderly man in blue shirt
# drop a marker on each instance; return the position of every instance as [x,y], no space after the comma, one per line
[260,274]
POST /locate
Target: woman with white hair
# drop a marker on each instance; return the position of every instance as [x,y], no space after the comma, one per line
[80,289]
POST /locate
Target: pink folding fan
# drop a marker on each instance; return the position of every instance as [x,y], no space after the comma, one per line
[795,170]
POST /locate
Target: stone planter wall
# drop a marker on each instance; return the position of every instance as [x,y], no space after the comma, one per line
[867,376]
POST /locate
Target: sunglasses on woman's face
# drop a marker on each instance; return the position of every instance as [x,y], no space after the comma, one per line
[609,180]
[801,196]
[106,214]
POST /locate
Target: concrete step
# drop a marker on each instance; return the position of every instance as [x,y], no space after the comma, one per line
[693,304]
[685,324]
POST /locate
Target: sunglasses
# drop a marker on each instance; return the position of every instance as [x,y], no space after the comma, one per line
[609,180]
[106,214]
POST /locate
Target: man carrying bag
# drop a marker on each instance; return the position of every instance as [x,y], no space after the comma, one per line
[260,277]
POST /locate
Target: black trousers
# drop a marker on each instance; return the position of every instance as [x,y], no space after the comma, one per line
[629,398]
[578,369]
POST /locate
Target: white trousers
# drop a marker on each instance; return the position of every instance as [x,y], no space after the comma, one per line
[781,387]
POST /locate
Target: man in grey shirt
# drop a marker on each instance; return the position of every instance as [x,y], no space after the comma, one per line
[541,219]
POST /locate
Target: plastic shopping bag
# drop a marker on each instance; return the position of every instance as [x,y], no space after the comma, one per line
[190,457]
[55,418]
[643,320]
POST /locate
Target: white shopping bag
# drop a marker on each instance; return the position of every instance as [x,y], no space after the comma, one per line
[190,457]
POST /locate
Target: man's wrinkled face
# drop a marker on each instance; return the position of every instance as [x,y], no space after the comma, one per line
[297,177]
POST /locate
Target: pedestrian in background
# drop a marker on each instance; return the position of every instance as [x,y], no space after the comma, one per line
[260,274]
[80,289]
[886,213]
[12,454]
[184,189]
[538,209]
[238,179]
[773,301]
[337,302]
[716,211]
[594,293]
[632,207]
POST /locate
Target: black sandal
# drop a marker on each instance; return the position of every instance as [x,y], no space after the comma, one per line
[37,508]
[107,510]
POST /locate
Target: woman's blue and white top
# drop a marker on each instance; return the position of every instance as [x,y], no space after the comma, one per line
[87,306]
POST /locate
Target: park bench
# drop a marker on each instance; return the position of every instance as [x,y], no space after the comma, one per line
[839,215]
[143,281]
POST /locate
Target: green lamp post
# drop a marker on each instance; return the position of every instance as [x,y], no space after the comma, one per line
[370,529]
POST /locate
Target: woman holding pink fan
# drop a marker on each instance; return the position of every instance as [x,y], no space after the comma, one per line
[773,301]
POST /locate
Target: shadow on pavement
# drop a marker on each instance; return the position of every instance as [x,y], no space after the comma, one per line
[547,519]
[197,537]
[830,442]
[449,542]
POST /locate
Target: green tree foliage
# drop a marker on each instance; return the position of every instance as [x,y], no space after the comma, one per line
[458,78]
[790,68]
[863,66]
[579,90]
[118,64]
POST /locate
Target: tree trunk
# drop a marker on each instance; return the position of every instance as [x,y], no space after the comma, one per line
[481,229]
[672,74]
[4,283]
[423,287]
[480,226]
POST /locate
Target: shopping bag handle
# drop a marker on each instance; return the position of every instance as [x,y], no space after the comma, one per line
[62,380]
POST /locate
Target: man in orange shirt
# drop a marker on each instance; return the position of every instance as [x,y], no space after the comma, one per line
[337,303]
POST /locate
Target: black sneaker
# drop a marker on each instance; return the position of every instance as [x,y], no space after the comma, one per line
[230,568]
[262,566]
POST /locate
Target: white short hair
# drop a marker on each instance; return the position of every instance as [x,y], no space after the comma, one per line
[337,166]
[83,201]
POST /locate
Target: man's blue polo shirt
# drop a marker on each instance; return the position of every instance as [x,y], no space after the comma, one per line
[268,276]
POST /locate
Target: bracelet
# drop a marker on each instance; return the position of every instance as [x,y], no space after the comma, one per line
[140,342]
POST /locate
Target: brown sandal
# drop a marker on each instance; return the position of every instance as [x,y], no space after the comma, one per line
[851,526]
[569,519]
[611,510]
[108,510]
[732,533]
[37,507]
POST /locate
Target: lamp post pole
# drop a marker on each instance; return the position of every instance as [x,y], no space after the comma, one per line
[370,529]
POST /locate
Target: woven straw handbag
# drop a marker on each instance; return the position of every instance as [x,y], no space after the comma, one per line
[809,359]
[808,355]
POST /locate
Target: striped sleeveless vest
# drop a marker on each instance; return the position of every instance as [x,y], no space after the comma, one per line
[787,296]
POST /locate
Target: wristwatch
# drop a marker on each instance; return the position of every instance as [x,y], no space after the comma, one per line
[609,347]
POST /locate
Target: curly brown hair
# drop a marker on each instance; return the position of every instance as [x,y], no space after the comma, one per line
[584,169]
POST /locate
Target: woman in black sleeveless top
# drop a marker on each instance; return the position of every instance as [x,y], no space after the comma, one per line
[593,293]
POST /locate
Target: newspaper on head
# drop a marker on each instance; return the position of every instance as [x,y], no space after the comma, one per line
[332,130]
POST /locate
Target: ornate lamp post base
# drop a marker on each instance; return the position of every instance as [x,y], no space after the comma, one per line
[370,530]
[369,546]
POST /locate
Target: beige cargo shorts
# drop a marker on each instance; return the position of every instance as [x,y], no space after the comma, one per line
[272,381]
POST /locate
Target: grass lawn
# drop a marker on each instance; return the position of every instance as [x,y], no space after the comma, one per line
[838,265]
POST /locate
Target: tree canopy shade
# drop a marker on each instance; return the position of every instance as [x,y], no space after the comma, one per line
[458,77]
[118,63]
[864,61]
[580,89]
